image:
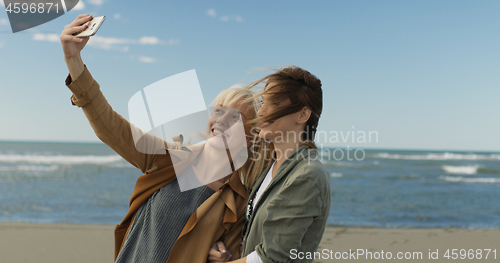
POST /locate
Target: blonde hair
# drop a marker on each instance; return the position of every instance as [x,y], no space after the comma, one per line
[235,96]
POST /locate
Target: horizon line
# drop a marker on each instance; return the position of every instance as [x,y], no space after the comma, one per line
[339,146]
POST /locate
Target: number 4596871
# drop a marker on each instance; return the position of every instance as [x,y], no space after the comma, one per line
[470,254]
[32,8]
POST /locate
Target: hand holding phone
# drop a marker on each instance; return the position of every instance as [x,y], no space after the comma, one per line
[92,28]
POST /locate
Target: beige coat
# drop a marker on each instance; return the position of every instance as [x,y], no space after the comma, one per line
[221,216]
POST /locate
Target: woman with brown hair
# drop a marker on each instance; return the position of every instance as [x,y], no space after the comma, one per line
[289,204]
[165,224]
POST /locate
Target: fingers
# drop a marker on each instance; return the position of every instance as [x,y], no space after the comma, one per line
[78,25]
[217,258]
[222,248]
[218,253]
[214,255]
[220,257]
[79,20]
[76,29]
[69,37]
[220,245]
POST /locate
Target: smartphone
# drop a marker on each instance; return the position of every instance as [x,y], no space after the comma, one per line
[94,25]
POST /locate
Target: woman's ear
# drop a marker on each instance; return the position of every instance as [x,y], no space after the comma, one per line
[303,115]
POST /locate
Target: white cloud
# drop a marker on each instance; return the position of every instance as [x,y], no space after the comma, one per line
[96,2]
[4,21]
[79,6]
[114,43]
[117,16]
[211,12]
[173,42]
[145,59]
[149,40]
[2,43]
[46,37]
[110,40]
[110,43]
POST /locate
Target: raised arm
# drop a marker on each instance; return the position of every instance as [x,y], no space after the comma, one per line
[72,46]
[108,125]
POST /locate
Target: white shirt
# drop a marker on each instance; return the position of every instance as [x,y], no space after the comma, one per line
[254,257]
[263,185]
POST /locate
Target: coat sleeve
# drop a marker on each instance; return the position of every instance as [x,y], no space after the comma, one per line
[290,214]
[232,239]
[109,126]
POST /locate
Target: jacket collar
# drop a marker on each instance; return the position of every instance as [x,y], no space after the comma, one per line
[299,154]
[193,150]
[187,154]
[302,152]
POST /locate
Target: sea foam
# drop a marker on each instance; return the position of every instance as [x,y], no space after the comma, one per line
[470,180]
[59,159]
[438,156]
[460,169]
[335,175]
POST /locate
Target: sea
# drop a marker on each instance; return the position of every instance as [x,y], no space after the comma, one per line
[87,183]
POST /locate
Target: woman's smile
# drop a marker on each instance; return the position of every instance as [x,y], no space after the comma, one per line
[266,124]
[216,132]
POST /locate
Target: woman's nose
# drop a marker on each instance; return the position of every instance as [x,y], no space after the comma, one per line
[223,119]
[220,120]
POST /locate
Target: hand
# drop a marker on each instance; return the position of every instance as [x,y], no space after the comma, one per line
[218,253]
[73,45]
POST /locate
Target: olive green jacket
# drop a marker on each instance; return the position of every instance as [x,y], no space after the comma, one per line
[291,215]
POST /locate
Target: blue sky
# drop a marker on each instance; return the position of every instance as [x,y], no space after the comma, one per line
[422,74]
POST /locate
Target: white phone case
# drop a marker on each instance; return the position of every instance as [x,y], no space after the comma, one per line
[94,25]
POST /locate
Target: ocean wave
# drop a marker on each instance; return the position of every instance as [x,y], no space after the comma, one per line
[30,168]
[336,175]
[472,169]
[438,156]
[470,180]
[460,169]
[488,170]
[339,163]
[59,159]
[121,165]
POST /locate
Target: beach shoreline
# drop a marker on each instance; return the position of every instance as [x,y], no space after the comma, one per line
[44,243]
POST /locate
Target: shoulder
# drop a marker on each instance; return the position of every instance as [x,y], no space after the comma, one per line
[309,176]
[310,169]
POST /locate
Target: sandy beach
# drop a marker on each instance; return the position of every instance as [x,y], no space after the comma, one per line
[44,243]
[415,241]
